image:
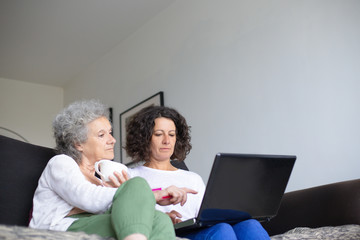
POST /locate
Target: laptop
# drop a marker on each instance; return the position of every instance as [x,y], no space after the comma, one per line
[240,187]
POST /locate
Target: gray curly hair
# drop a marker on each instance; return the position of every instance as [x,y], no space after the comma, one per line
[70,125]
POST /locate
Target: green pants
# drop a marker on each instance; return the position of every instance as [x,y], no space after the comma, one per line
[132,211]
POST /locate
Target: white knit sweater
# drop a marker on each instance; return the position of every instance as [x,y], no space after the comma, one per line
[62,186]
[179,178]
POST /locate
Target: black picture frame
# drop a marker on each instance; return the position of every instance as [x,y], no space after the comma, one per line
[156,100]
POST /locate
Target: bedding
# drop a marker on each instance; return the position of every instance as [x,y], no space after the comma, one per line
[24,233]
[345,232]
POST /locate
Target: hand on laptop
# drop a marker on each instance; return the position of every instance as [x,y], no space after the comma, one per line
[175,216]
[172,195]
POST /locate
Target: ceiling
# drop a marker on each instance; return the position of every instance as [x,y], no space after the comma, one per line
[52,41]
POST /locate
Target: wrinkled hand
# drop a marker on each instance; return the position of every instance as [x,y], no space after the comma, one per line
[75,210]
[175,216]
[116,181]
[172,195]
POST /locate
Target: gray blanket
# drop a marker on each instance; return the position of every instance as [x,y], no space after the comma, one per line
[346,232]
[24,233]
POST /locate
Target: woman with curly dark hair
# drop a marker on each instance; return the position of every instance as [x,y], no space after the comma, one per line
[156,135]
[139,132]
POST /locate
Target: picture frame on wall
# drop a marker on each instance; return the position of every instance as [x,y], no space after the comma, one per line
[155,100]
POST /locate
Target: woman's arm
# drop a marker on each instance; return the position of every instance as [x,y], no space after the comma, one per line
[66,180]
[172,195]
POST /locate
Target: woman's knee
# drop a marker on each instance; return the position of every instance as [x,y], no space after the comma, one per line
[138,182]
[250,229]
[220,227]
[220,231]
[136,188]
[163,227]
[250,224]
[162,219]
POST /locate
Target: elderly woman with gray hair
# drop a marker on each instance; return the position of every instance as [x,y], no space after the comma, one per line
[69,196]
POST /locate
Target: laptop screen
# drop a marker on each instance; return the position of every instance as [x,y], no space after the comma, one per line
[243,186]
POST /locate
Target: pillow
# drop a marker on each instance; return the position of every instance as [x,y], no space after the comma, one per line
[179,164]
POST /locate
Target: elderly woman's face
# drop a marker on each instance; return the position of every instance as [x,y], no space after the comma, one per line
[100,142]
[163,139]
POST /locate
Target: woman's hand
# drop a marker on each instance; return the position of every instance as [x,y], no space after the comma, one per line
[116,182]
[175,216]
[75,210]
[172,195]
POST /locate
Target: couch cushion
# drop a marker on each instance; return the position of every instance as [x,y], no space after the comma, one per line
[179,164]
[21,165]
[332,204]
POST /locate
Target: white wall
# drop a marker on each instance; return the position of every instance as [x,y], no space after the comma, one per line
[262,76]
[29,109]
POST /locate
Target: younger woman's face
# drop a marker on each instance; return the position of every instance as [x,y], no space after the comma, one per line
[163,139]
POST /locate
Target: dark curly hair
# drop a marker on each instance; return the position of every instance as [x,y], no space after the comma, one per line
[139,130]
